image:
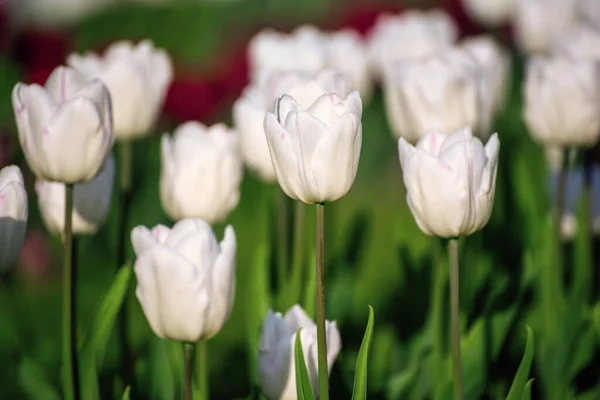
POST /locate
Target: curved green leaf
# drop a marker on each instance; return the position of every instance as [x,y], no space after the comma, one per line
[304,389]
[520,383]
[34,381]
[527,390]
[360,375]
[126,393]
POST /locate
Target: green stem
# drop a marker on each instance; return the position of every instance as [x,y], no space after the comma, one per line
[559,212]
[70,368]
[202,369]
[282,238]
[298,257]
[320,305]
[455,319]
[438,326]
[188,351]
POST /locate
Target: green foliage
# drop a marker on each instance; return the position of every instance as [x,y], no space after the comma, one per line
[360,376]
[304,389]
[521,386]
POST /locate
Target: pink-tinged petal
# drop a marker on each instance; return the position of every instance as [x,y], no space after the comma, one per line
[64,83]
[432,143]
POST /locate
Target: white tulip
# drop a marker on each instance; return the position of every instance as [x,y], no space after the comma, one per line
[185,279]
[65,128]
[276,361]
[538,21]
[201,172]
[589,11]
[450,181]
[13,215]
[579,41]
[421,34]
[562,101]
[137,77]
[54,13]
[441,93]
[91,202]
[315,151]
[490,12]
[250,109]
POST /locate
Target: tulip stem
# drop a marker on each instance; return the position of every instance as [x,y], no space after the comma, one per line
[320,305]
[455,319]
[202,368]
[70,368]
[282,237]
[188,351]
[560,210]
[297,263]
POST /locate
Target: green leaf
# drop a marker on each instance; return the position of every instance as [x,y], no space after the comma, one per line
[360,376]
[126,393]
[34,382]
[304,389]
[527,391]
[520,383]
[94,346]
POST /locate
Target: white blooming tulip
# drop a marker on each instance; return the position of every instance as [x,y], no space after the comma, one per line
[579,41]
[201,172]
[13,215]
[276,361]
[65,128]
[441,93]
[137,77]
[315,151]
[450,181]
[185,279]
[490,12]
[250,109]
[562,101]
[91,202]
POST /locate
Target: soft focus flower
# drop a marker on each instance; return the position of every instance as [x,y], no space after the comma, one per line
[579,41]
[490,12]
[441,93]
[137,77]
[250,109]
[276,361]
[450,181]
[315,151]
[201,172]
[65,128]
[185,279]
[36,258]
[589,11]
[54,12]
[562,101]
[13,215]
[421,34]
[537,21]
[91,202]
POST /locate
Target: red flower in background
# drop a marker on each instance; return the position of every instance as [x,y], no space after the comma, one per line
[192,97]
[363,15]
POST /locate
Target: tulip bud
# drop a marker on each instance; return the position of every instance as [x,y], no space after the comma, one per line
[250,109]
[65,128]
[276,361]
[450,181]
[13,215]
[91,202]
[441,93]
[315,151]
[201,172]
[137,77]
[185,279]
[562,101]
[490,12]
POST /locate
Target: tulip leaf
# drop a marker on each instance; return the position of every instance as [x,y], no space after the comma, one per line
[126,393]
[304,388]
[527,391]
[520,383]
[94,346]
[34,381]
[360,376]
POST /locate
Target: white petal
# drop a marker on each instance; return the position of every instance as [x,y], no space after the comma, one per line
[297,318]
[64,83]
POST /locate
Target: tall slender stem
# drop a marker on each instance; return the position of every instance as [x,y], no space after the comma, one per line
[188,351]
[70,367]
[320,305]
[296,281]
[559,212]
[282,239]
[202,369]
[455,319]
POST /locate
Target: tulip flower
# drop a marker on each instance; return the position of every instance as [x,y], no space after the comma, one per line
[65,128]
[450,181]
[55,13]
[315,151]
[579,41]
[562,101]
[201,172]
[442,93]
[91,202]
[13,215]
[589,11]
[276,362]
[490,12]
[186,280]
[137,77]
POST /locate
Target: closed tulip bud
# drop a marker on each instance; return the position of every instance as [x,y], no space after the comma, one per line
[13,215]
[276,360]
[315,151]
[562,101]
[65,128]
[450,181]
[442,93]
[185,279]
[250,109]
[490,12]
[201,172]
[91,202]
[137,77]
